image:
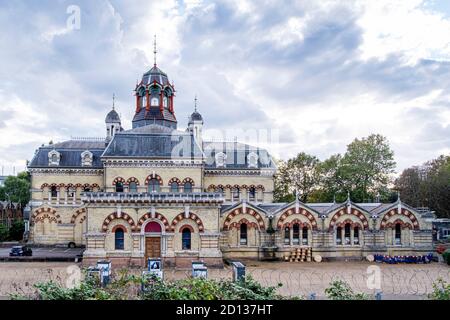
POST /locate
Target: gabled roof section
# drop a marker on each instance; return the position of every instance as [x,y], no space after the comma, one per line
[227,208]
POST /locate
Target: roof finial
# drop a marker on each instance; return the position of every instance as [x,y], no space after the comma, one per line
[334,198]
[154,50]
[114,100]
[398,195]
[348,196]
[195,103]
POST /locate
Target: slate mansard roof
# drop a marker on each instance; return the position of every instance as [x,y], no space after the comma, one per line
[70,152]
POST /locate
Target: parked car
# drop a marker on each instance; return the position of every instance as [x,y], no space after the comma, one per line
[18,251]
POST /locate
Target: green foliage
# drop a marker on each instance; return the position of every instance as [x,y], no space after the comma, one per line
[3,232]
[125,286]
[364,171]
[427,185]
[441,290]
[16,189]
[16,231]
[341,290]
[446,256]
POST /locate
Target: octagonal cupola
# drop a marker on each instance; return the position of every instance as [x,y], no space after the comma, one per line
[154,99]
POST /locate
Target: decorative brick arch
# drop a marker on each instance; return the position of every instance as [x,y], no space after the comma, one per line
[191,216]
[303,212]
[349,221]
[69,185]
[354,212]
[403,225]
[78,185]
[237,225]
[114,216]
[121,226]
[44,185]
[297,221]
[132,179]
[404,212]
[49,213]
[77,214]
[118,179]
[157,177]
[186,226]
[95,185]
[261,187]
[188,180]
[174,179]
[158,216]
[235,212]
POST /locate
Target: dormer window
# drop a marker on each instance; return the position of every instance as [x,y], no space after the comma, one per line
[221,160]
[252,160]
[86,158]
[53,158]
[154,102]
[144,101]
[165,104]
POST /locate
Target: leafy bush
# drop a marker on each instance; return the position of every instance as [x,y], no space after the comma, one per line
[446,256]
[341,290]
[441,290]
[16,231]
[125,286]
[3,232]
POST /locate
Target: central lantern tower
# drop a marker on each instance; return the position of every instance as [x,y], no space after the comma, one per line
[154,99]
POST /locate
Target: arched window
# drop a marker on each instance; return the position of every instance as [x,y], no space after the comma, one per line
[186,239]
[132,186]
[398,234]
[356,235]
[187,187]
[220,190]
[243,234]
[54,192]
[296,234]
[305,236]
[165,104]
[347,232]
[153,185]
[236,194]
[174,187]
[119,237]
[119,186]
[252,194]
[154,102]
[339,235]
[86,189]
[287,235]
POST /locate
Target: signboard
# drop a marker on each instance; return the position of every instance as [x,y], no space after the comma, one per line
[238,271]
[199,270]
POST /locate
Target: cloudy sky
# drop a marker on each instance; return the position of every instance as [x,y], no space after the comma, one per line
[314,74]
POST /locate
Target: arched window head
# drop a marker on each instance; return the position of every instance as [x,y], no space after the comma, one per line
[236,194]
[243,234]
[132,187]
[252,160]
[221,160]
[186,239]
[174,187]
[153,185]
[119,239]
[187,187]
[119,186]
[154,102]
[252,194]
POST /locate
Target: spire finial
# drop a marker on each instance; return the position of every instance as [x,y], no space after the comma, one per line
[154,50]
[195,103]
[398,195]
[348,196]
[114,101]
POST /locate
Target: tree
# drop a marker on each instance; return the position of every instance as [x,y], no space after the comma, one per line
[427,185]
[366,167]
[16,189]
[16,231]
[297,174]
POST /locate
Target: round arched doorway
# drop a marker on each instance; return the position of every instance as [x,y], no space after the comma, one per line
[152,232]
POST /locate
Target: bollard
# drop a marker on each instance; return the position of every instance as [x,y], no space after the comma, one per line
[378,295]
[238,271]
[312,296]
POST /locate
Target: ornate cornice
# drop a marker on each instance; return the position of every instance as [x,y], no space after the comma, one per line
[239,172]
[180,163]
[65,171]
